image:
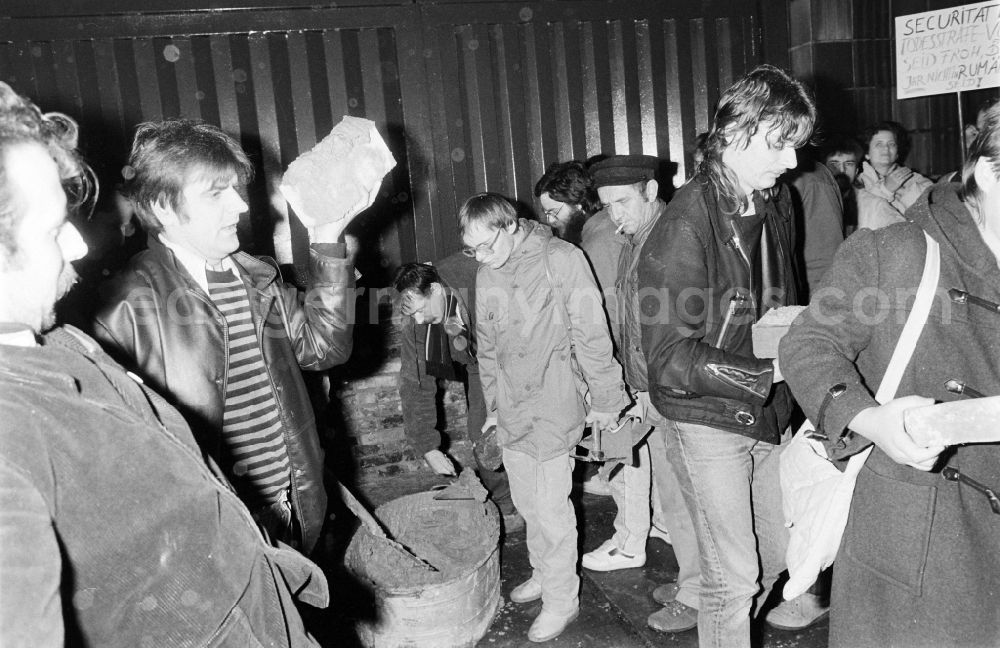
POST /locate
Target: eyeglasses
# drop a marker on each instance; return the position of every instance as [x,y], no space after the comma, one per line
[485,248]
[550,214]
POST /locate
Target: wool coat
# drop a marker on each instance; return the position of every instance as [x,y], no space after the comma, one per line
[920,560]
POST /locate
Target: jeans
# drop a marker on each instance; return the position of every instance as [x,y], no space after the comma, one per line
[633,494]
[671,506]
[731,487]
[540,490]
[630,489]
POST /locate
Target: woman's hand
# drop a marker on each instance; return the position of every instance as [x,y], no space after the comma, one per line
[884,426]
[897,178]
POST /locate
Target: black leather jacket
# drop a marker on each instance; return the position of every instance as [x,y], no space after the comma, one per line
[156,319]
[698,303]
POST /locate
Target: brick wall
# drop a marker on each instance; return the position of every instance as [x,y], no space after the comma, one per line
[364,422]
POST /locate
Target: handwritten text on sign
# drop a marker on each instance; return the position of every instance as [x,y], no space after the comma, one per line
[949,50]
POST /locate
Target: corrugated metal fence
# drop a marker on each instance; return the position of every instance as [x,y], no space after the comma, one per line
[470,96]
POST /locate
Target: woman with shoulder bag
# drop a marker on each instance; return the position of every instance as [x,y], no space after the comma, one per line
[919,564]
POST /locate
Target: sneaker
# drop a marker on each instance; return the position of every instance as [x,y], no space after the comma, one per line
[801,612]
[673,617]
[666,593]
[549,625]
[513,522]
[662,534]
[608,557]
[528,591]
[594,485]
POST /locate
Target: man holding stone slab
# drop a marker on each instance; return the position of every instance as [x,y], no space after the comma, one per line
[219,333]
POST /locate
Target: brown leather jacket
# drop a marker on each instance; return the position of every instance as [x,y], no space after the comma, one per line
[156,319]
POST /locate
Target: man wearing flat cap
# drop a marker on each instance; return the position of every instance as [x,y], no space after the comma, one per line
[628,189]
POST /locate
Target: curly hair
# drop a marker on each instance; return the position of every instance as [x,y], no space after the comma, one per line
[767,95]
[569,182]
[22,122]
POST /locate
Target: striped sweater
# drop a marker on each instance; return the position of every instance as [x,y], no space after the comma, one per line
[251,424]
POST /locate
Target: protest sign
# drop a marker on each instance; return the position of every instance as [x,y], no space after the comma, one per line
[948,50]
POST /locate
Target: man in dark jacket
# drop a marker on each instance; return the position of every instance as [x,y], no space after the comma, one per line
[919,563]
[714,262]
[114,531]
[219,333]
[843,158]
[819,212]
[438,340]
[627,186]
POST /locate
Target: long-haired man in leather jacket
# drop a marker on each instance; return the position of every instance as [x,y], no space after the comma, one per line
[718,258]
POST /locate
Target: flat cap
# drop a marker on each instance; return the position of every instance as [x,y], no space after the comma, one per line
[624,170]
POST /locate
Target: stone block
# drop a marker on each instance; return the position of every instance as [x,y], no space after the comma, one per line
[769,330]
[965,421]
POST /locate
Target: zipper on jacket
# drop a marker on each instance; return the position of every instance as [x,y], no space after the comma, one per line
[293,489]
[293,494]
[735,302]
[737,244]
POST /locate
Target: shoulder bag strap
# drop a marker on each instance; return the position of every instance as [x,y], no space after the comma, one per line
[557,292]
[914,324]
[907,340]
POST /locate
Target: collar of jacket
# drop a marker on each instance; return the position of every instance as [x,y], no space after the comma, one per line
[534,235]
[722,224]
[38,367]
[869,176]
[261,273]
